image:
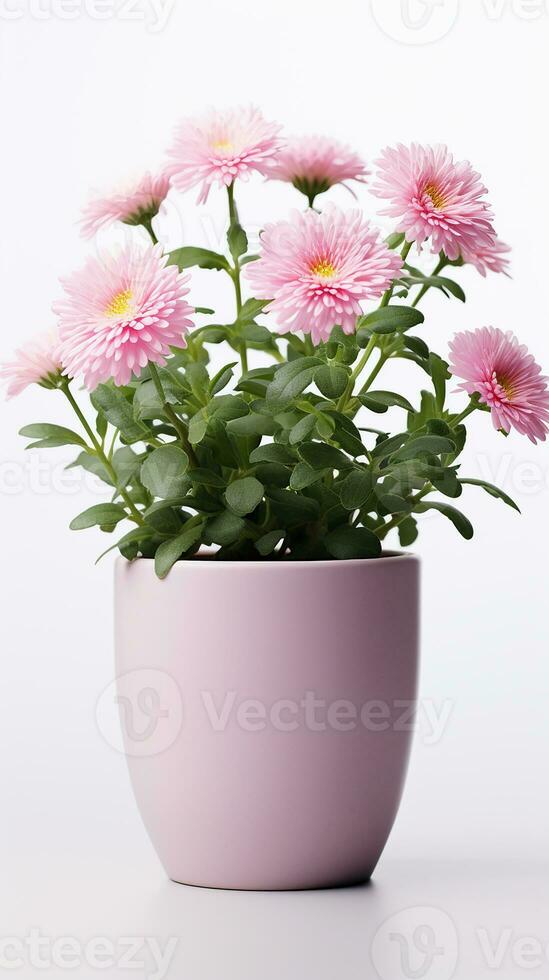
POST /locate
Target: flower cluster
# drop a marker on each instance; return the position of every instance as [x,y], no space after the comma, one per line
[276,462]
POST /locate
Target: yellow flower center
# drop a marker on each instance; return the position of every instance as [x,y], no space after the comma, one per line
[324,269]
[120,304]
[436,196]
[506,385]
[222,146]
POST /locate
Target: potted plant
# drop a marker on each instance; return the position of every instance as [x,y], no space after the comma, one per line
[255,606]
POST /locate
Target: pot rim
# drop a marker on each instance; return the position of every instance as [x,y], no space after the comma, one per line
[203,560]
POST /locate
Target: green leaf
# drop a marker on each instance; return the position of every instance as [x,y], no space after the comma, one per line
[255,333]
[133,537]
[222,378]
[161,505]
[267,544]
[102,514]
[290,380]
[237,239]
[147,403]
[186,257]
[355,489]
[386,447]
[325,426]
[395,240]
[214,334]
[331,381]
[243,496]
[302,430]
[437,282]
[390,318]
[119,411]
[46,432]
[251,425]
[426,444]
[92,465]
[393,502]
[224,529]
[304,475]
[347,435]
[205,477]
[198,426]
[440,374]
[293,508]
[126,464]
[170,551]
[459,520]
[273,474]
[407,532]
[101,425]
[163,472]
[321,456]
[492,490]
[353,542]
[447,483]
[272,452]
[417,345]
[380,401]
[256,381]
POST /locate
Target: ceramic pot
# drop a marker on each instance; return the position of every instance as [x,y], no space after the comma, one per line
[266,712]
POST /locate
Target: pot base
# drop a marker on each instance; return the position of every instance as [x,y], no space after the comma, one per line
[359,882]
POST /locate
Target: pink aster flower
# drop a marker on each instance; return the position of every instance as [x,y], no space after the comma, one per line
[506,377]
[319,267]
[133,204]
[435,198]
[37,363]
[491,258]
[221,146]
[120,312]
[315,163]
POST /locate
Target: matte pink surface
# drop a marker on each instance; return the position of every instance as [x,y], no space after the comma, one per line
[256,801]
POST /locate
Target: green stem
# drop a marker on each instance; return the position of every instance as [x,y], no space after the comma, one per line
[99,452]
[147,224]
[177,423]
[472,406]
[347,394]
[235,274]
[309,346]
[443,261]
[374,373]
[113,444]
[387,297]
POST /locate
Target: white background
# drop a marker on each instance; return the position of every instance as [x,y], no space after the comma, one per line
[85,101]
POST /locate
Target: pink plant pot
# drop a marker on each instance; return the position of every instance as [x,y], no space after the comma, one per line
[266,714]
